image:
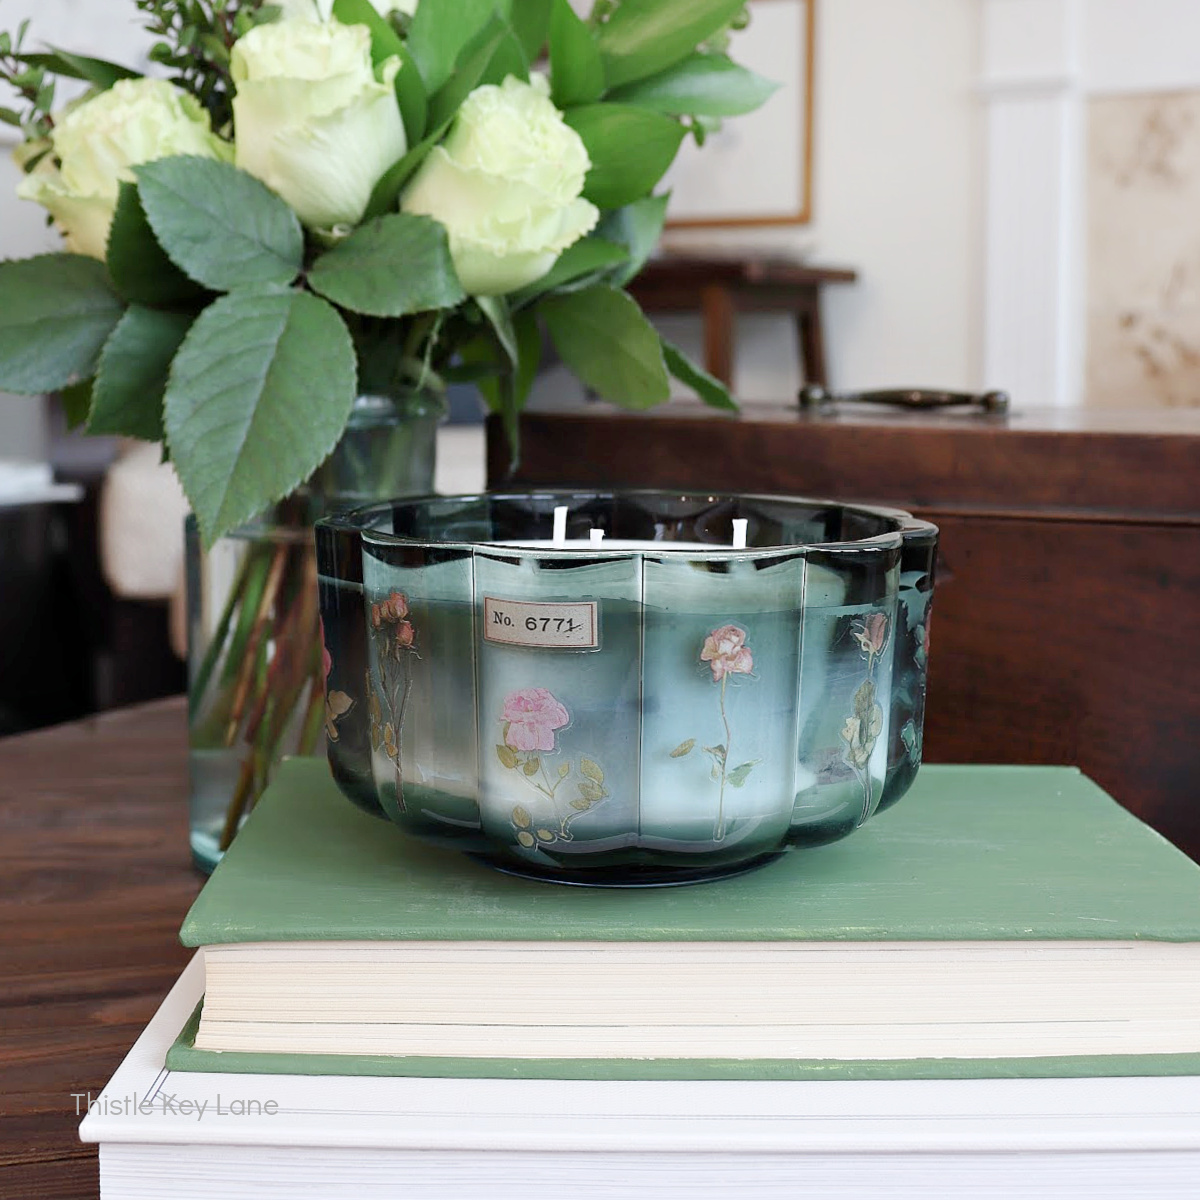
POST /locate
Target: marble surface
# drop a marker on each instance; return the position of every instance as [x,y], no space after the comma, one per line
[1143,285]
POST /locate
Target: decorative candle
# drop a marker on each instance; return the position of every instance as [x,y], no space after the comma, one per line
[665,687]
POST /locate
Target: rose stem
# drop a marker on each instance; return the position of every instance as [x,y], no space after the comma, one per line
[314,716]
[719,832]
[294,635]
[293,668]
[257,632]
[208,720]
[217,642]
[399,732]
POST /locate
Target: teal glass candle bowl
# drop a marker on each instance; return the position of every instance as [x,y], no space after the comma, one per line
[624,688]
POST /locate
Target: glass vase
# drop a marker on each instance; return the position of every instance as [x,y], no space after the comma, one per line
[256,663]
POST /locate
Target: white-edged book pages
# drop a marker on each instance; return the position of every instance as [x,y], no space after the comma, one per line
[195,1136]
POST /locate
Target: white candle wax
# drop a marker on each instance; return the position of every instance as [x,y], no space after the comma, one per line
[592,545]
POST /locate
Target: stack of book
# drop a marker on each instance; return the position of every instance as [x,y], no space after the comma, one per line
[991,988]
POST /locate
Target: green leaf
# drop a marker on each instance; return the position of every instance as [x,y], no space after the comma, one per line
[389,267]
[509,759]
[221,226]
[482,362]
[508,58]
[439,33]
[737,777]
[590,791]
[259,393]
[710,389]
[138,265]
[127,396]
[630,149]
[502,396]
[495,308]
[637,227]
[411,96]
[56,312]
[530,20]
[76,402]
[576,71]
[473,68]
[529,356]
[95,71]
[644,37]
[684,748]
[603,337]
[386,192]
[709,85]
[585,257]
[386,43]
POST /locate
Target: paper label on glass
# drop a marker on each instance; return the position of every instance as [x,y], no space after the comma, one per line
[569,625]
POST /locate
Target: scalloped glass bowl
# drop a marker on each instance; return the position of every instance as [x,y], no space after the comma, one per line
[657,708]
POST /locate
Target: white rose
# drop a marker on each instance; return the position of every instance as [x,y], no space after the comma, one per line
[312,120]
[99,141]
[322,10]
[505,183]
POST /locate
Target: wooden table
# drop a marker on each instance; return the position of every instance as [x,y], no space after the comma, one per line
[95,881]
[721,287]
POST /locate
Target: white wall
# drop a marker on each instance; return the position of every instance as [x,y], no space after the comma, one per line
[897,194]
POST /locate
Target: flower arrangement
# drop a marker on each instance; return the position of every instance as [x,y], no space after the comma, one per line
[315,200]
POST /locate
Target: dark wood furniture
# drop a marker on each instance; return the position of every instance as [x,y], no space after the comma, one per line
[1066,615]
[95,880]
[721,287]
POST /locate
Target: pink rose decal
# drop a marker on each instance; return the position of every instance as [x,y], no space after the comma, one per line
[872,637]
[726,652]
[391,679]
[532,715]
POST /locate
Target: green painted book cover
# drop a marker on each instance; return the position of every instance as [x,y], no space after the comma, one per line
[972,854]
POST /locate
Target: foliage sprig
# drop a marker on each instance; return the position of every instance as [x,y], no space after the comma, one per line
[195,40]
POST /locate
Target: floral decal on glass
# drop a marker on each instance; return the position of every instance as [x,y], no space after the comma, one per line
[529,722]
[864,725]
[913,729]
[726,653]
[337,704]
[395,641]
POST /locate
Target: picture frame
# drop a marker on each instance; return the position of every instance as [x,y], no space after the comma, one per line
[757,169]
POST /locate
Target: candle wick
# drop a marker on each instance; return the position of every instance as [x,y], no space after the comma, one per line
[739,532]
[560,525]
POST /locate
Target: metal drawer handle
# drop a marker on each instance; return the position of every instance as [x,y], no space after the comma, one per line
[814,396]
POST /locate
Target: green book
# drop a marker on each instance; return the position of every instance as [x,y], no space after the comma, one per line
[998,921]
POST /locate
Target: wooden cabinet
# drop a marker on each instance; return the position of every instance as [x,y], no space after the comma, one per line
[1066,620]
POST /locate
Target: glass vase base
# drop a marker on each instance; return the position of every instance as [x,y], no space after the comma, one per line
[641,875]
[206,849]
